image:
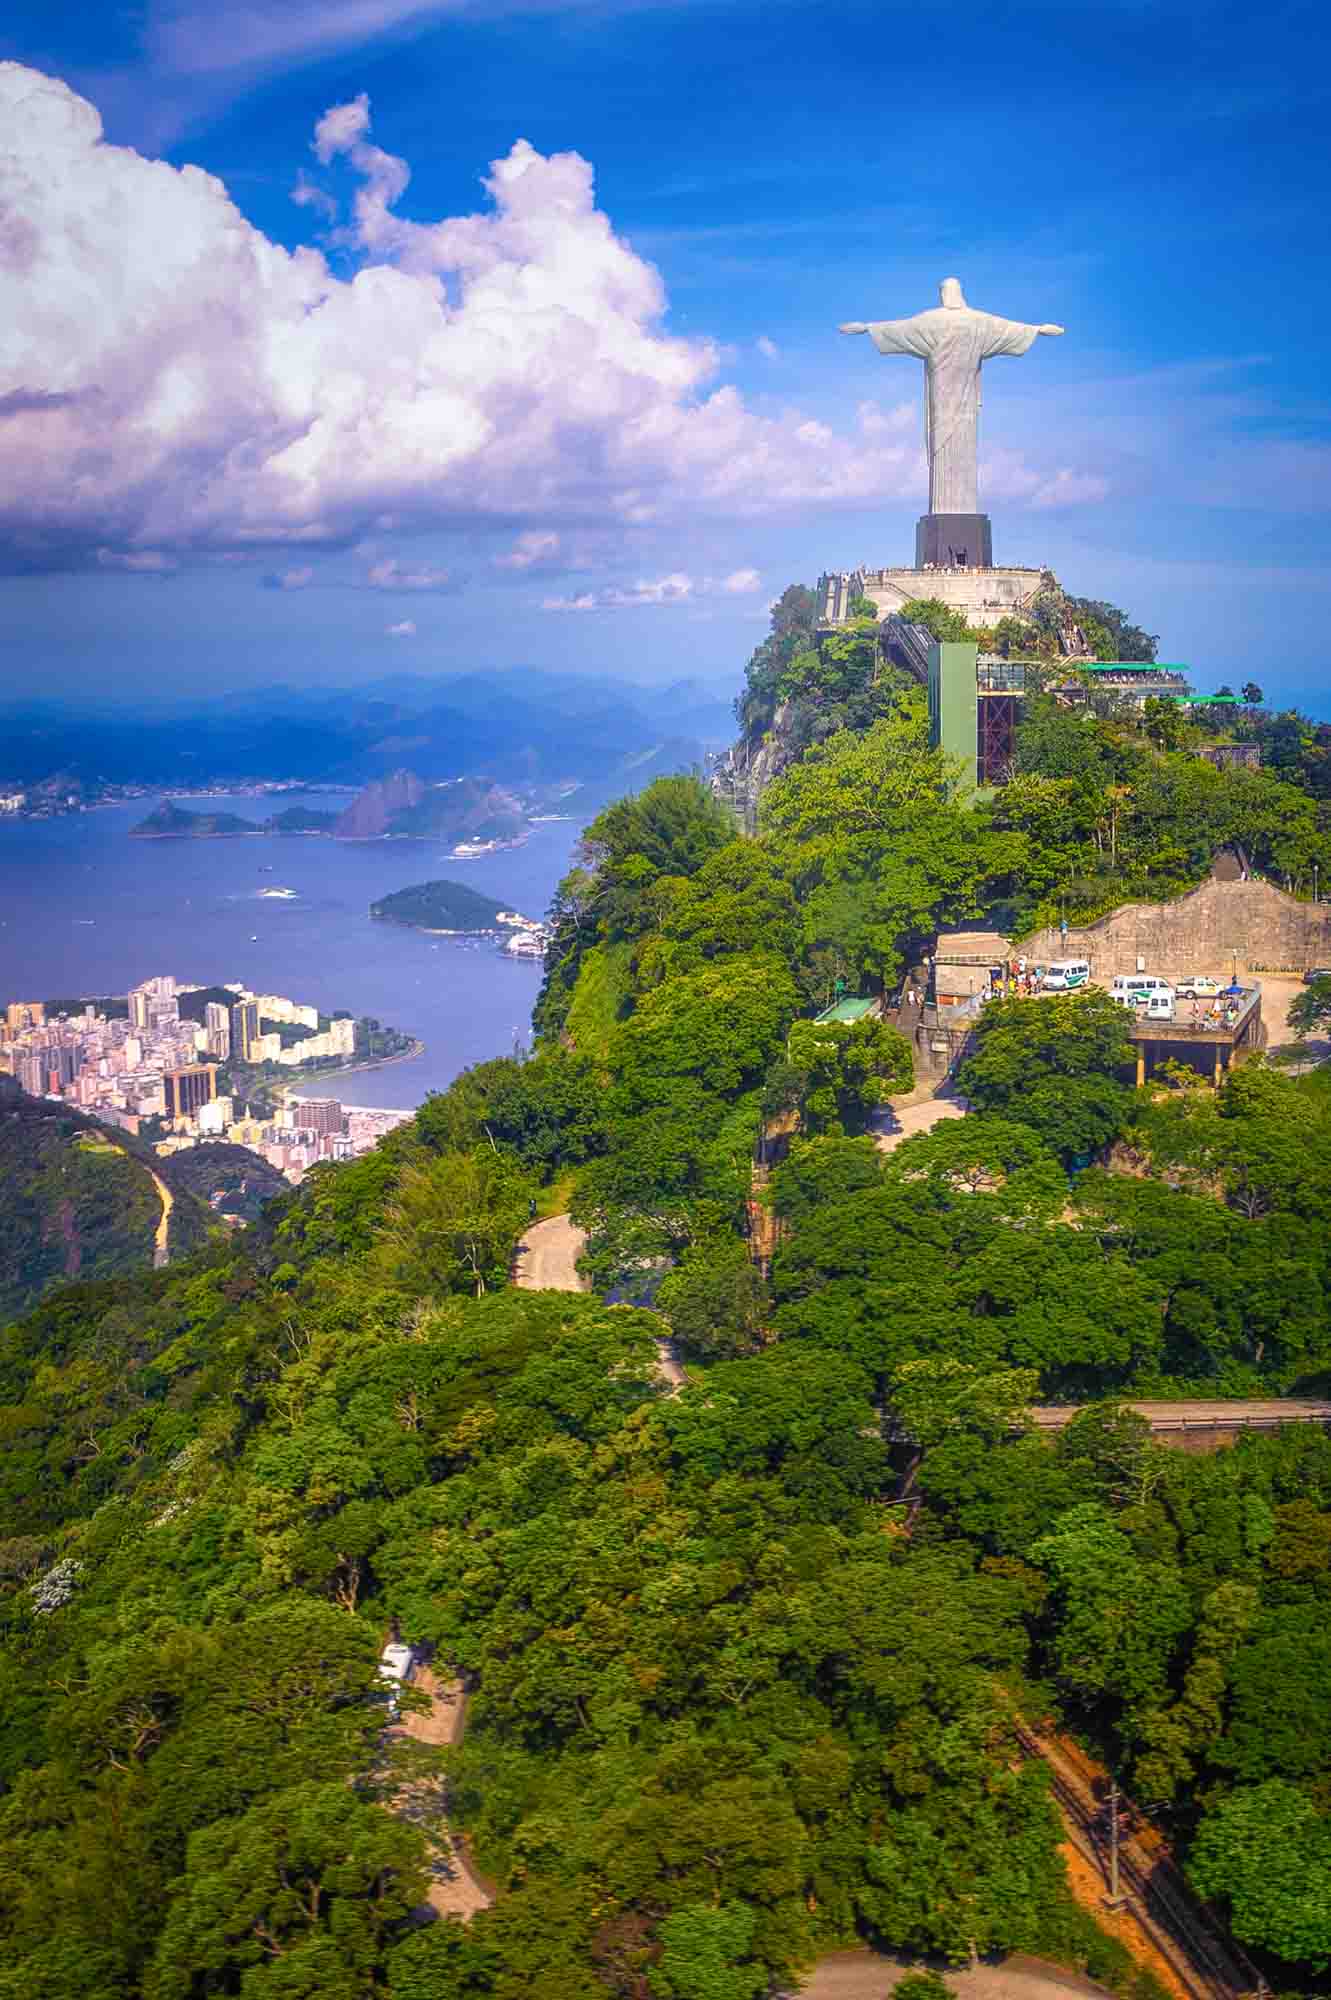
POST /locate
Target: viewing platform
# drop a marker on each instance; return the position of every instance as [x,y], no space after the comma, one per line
[1208,1044]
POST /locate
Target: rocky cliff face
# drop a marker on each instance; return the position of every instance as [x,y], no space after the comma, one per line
[368,815]
[749,766]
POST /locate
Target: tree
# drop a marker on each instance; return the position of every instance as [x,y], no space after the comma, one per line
[454,1221]
[705,1955]
[1053,1063]
[1164,722]
[1119,1616]
[848,1068]
[944,621]
[1266,1850]
[721,1024]
[714,1299]
[1311,1009]
[1252,694]
[819,1173]
[925,1985]
[312,1885]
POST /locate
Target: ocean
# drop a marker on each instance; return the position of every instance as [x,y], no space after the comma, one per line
[86,910]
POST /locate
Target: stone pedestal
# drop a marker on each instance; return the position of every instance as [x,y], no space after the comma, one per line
[954,541]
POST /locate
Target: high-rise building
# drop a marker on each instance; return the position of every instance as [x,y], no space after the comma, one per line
[62,1064]
[152,993]
[186,1090]
[21,1014]
[30,1069]
[342,1035]
[244,1029]
[217,1027]
[318,1114]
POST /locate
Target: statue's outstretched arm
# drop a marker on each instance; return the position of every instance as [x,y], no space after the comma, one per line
[853,326]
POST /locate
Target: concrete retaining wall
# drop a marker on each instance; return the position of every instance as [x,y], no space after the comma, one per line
[1211,929]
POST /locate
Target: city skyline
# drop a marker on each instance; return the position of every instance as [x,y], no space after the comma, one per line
[153,1072]
[595,411]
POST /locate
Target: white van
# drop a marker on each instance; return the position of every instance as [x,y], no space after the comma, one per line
[1065,973]
[1141,991]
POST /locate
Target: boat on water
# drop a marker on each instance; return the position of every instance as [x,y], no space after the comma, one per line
[279,895]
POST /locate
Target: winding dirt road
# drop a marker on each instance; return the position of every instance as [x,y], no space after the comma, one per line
[168,1201]
[456,1890]
[161,1251]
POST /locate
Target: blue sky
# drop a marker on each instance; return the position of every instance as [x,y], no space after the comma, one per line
[411,421]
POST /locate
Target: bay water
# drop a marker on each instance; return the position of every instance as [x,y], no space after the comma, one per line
[85,909]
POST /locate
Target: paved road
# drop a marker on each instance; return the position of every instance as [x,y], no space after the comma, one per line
[864,1975]
[1218,1415]
[548,1256]
[547,1261]
[907,1119]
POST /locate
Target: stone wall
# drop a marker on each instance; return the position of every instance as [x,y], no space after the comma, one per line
[1209,930]
[985,595]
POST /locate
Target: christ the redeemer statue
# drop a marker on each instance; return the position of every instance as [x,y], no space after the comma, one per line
[953,341]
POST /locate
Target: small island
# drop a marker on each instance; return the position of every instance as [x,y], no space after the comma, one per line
[439,906]
[170,822]
[302,819]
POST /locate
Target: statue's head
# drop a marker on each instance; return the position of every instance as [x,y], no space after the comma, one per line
[950,293]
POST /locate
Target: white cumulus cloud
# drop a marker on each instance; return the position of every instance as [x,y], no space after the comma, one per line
[649,593]
[172,380]
[389,574]
[142,562]
[537,545]
[404,629]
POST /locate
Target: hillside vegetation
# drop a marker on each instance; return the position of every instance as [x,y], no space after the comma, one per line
[744,1659]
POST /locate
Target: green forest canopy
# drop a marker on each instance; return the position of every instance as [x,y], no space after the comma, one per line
[733,1704]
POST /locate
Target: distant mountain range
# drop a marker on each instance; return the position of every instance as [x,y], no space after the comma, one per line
[520,726]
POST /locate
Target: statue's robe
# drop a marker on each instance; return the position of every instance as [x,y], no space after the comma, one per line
[952,342]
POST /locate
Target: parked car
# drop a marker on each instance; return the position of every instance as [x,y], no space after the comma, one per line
[1200,987]
[1316,972]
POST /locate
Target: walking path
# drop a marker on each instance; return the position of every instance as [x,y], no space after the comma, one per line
[456,1890]
[869,1975]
